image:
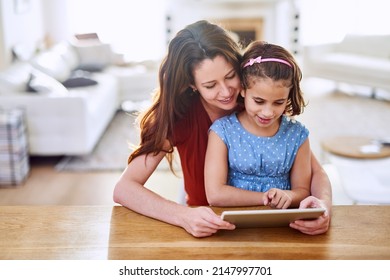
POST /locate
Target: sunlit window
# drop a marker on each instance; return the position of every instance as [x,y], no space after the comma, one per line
[133,28]
[138,28]
[329,21]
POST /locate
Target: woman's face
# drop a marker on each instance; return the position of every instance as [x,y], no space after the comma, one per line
[218,84]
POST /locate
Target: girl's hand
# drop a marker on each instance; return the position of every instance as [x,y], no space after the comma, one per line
[202,222]
[277,198]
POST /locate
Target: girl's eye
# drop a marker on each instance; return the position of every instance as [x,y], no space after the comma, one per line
[258,101]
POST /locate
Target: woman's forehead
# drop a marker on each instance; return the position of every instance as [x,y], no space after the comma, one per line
[212,69]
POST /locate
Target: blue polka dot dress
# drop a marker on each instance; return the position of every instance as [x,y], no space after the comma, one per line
[259,163]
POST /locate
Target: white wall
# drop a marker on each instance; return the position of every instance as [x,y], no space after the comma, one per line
[56,18]
[23,29]
[142,25]
[132,27]
[185,12]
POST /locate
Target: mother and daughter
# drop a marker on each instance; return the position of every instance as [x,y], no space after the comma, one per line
[204,78]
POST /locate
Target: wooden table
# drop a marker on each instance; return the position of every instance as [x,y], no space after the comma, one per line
[364,176]
[106,232]
[352,147]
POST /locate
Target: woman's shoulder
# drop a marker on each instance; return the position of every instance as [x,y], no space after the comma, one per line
[191,109]
[193,118]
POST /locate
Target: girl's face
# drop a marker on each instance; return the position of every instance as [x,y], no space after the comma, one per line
[218,84]
[265,103]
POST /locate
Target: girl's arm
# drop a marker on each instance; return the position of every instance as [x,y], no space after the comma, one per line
[300,175]
[131,193]
[216,171]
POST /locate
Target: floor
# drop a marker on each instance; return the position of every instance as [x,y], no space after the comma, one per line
[47,186]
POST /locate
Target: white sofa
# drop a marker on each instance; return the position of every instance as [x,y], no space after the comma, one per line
[67,121]
[362,60]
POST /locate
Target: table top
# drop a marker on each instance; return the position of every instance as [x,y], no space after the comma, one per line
[114,232]
[351,146]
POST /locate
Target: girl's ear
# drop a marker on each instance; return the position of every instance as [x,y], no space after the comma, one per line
[243,93]
[194,89]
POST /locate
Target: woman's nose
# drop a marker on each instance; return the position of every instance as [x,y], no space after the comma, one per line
[224,90]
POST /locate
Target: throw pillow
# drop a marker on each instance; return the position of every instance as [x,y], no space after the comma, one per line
[79,82]
[68,54]
[94,57]
[79,79]
[51,63]
[41,83]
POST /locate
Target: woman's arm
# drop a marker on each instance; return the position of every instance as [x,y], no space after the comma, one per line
[216,171]
[131,193]
[321,196]
[320,184]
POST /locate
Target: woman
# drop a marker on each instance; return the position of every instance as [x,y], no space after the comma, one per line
[199,83]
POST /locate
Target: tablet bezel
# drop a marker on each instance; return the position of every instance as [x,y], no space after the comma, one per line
[269,218]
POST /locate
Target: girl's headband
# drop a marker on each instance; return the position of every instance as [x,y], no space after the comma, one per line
[260,60]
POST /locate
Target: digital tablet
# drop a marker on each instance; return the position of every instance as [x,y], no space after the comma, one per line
[269,218]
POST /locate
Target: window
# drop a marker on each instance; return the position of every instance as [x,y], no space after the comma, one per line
[133,28]
[329,21]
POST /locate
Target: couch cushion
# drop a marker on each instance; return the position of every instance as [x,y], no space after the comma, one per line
[370,45]
[15,78]
[356,63]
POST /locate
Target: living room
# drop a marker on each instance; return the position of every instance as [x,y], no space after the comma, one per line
[76,141]
[32,26]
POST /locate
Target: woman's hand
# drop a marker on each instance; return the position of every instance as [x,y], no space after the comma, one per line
[317,226]
[202,222]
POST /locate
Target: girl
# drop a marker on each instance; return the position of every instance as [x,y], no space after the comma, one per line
[261,149]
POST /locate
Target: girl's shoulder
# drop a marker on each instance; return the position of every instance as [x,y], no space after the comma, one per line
[290,124]
[226,124]
[227,120]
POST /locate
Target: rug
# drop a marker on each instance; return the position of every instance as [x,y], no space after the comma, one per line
[112,150]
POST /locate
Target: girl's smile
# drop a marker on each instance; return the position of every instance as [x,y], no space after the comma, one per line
[265,103]
[264,121]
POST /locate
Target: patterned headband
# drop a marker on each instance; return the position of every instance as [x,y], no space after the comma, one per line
[260,60]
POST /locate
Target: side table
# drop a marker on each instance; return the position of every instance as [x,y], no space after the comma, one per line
[363,165]
[358,147]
